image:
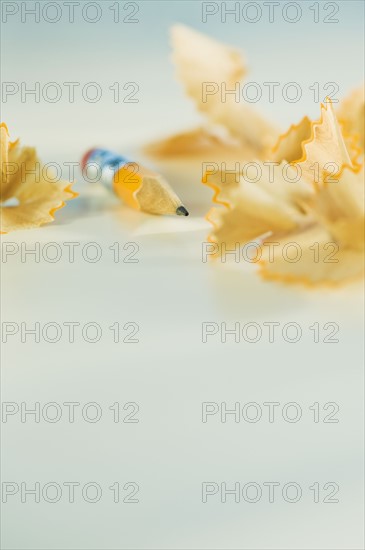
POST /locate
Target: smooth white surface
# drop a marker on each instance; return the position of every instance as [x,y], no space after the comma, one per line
[169,373]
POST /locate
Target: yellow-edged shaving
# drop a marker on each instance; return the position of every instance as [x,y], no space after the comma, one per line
[37,194]
[323,219]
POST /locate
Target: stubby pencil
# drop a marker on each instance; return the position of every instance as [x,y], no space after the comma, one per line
[139,187]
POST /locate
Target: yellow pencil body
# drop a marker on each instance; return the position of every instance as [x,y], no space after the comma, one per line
[137,186]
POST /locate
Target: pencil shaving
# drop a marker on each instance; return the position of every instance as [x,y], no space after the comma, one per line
[325,150]
[36,193]
[254,209]
[205,67]
[322,261]
[199,58]
[323,213]
[200,143]
[351,114]
[289,145]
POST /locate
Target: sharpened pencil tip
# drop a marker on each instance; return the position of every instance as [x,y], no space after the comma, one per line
[181,211]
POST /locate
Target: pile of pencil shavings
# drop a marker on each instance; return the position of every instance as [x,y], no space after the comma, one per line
[299,195]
